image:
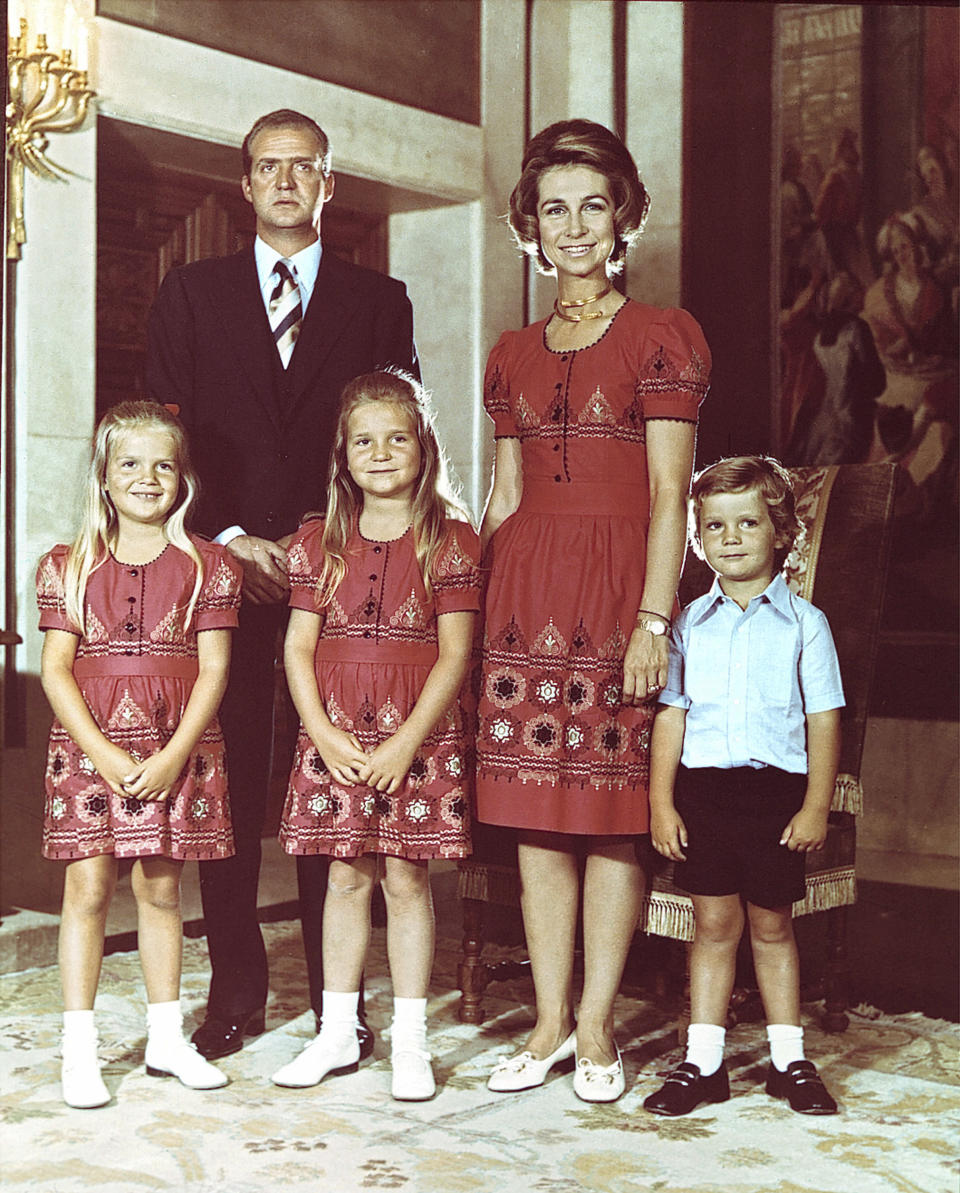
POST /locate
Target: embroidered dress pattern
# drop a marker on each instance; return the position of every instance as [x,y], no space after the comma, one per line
[556,750]
[377,646]
[135,666]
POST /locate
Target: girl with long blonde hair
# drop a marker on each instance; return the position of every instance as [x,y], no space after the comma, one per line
[383,595]
[136,614]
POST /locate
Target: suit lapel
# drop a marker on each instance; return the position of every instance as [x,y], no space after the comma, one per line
[246,330]
[333,305]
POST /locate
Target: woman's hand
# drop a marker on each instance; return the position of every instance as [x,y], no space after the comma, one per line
[387,766]
[668,833]
[644,667]
[342,755]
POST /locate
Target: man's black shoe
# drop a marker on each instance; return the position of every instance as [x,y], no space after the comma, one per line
[216,1037]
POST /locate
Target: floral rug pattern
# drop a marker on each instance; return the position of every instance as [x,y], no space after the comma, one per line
[896,1078]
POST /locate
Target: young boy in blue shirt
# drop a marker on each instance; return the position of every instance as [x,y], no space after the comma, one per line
[742,770]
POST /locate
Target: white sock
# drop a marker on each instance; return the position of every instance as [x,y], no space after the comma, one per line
[409,1023]
[786,1044]
[340,1012]
[77,1024]
[705,1047]
[165,1021]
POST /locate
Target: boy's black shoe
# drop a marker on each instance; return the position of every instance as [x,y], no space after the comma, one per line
[802,1087]
[684,1090]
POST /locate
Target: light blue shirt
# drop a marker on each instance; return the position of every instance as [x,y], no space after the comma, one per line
[749,677]
[306,262]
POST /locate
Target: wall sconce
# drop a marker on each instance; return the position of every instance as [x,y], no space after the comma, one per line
[47,93]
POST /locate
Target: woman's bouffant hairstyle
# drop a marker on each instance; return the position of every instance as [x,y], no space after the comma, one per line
[579,143]
[737,474]
[99,526]
[434,500]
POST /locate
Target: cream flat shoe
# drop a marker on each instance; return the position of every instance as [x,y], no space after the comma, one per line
[598,1083]
[515,1073]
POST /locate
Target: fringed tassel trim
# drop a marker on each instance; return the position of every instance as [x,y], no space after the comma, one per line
[847,795]
[670,915]
[831,888]
[489,884]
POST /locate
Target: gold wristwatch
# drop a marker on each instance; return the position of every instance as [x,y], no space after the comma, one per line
[653,623]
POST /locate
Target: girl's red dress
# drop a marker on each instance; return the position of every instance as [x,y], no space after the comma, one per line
[556,750]
[136,666]
[377,646]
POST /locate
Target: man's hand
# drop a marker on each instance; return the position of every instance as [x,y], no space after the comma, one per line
[264,566]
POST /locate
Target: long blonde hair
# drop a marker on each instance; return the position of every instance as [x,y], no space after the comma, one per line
[99,526]
[434,500]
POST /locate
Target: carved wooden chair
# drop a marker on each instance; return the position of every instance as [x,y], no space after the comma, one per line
[840,565]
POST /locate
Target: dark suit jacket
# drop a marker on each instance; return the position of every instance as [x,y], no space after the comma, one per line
[262,461]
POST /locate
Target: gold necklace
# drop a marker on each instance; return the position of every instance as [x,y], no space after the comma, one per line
[580,302]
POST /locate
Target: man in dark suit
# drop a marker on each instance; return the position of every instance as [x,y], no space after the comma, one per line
[255,349]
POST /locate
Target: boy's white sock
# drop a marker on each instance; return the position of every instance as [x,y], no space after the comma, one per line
[705,1047]
[340,1012]
[409,1023]
[786,1044]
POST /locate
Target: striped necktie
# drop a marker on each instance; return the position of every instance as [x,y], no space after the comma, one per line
[286,310]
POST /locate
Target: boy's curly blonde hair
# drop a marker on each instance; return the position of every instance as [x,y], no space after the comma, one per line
[736,474]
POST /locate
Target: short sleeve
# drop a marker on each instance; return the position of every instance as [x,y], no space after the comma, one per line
[219,599]
[51,596]
[674,693]
[496,392]
[303,566]
[456,579]
[675,373]
[820,682]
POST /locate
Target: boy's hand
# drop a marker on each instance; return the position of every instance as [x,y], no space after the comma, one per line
[153,779]
[806,831]
[387,766]
[669,834]
[343,756]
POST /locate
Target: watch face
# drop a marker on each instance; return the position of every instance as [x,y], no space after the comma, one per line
[657,628]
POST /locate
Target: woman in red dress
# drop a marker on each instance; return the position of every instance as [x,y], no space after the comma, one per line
[595,412]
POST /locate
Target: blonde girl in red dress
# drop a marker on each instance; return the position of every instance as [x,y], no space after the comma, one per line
[137,614]
[384,593]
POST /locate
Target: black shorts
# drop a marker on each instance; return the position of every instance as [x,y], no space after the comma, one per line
[735,819]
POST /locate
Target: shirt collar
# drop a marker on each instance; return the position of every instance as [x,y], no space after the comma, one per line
[307,263]
[776,594]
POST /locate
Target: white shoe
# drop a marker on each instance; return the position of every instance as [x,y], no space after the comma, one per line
[598,1083]
[412,1075]
[177,1058]
[81,1085]
[324,1054]
[525,1071]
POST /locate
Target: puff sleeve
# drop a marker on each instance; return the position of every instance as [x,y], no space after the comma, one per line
[51,596]
[496,391]
[675,374]
[304,566]
[219,601]
[456,582]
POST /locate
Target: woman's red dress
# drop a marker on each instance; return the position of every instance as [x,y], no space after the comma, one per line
[556,750]
[136,666]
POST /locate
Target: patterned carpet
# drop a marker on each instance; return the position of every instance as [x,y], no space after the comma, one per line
[896,1078]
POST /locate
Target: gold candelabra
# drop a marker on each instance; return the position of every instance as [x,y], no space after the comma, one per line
[46,94]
